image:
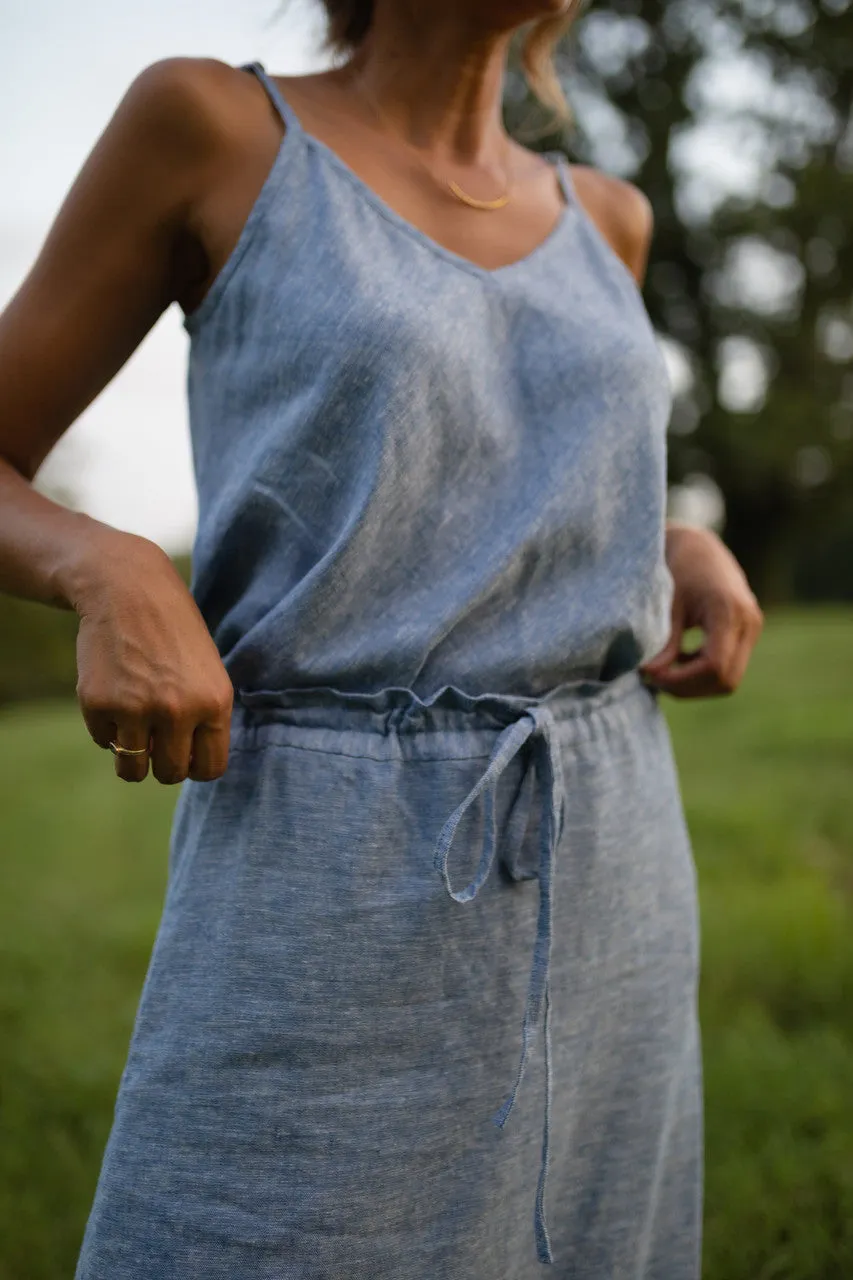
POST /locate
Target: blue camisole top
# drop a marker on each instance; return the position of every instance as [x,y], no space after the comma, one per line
[415,471]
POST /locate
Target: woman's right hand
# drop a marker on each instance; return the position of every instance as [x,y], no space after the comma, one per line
[149,673]
[150,220]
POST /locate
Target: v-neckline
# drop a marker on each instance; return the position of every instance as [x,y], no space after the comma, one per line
[556,159]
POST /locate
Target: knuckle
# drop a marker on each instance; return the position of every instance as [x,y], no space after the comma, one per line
[219,705]
[94,702]
[131,706]
[748,605]
[745,609]
[170,705]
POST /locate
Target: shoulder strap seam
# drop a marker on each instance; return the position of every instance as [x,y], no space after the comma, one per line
[284,109]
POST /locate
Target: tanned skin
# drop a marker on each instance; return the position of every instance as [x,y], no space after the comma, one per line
[152,218]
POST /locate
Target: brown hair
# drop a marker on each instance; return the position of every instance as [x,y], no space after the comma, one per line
[349,23]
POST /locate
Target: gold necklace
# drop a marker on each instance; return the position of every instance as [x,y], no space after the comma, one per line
[473,202]
[487,206]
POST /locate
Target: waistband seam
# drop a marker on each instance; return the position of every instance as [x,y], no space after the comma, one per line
[568,702]
[351,755]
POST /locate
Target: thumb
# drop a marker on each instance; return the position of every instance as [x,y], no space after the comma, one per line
[669,653]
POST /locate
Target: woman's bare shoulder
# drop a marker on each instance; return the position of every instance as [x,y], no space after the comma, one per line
[133,234]
[190,106]
[622,212]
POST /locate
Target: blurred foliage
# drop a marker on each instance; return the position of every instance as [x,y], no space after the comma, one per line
[751,292]
[765,782]
[37,650]
[38,656]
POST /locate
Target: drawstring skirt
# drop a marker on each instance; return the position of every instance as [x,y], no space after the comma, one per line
[422,1003]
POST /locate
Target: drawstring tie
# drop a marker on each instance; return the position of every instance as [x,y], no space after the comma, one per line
[537,723]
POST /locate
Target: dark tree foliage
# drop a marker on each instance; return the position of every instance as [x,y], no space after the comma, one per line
[750,285]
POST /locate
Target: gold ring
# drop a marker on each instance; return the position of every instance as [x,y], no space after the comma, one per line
[126,751]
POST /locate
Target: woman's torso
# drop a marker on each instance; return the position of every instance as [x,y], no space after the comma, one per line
[414,471]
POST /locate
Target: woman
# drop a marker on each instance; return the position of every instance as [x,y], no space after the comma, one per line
[428,414]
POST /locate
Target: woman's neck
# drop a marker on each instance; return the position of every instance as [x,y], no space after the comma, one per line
[439,82]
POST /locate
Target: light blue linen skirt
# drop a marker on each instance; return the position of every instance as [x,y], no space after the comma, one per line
[422,1003]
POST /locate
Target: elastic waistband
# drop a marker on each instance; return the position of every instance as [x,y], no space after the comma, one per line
[396,722]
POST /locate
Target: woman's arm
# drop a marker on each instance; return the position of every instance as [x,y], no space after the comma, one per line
[712,593]
[711,590]
[111,264]
[124,245]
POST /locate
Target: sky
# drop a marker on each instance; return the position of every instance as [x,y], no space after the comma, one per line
[63,68]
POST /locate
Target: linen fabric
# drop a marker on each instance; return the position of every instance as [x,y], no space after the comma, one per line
[422,1001]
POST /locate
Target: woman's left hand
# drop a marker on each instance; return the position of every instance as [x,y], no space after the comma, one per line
[711,592]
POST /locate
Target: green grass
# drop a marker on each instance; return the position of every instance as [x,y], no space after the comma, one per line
[767,782]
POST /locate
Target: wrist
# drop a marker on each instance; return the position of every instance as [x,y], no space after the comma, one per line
[678,534]
[677,527]
[96,558]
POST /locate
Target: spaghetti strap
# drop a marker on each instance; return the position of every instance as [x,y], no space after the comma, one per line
[564,174]
[284,109]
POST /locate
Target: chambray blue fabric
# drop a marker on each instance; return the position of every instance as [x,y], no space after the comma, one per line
[325,1036]
[422,1002]
[415,472]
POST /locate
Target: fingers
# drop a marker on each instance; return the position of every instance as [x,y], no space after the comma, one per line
[172,747]
[187,745]
[718,668]
[740,657]
[135,735]
[179,742]
[180,749]
[210,751]
[133,731]
[669,654]
[692,676]
[723,639]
